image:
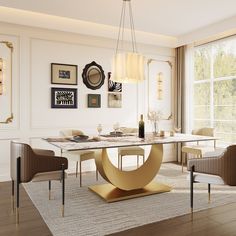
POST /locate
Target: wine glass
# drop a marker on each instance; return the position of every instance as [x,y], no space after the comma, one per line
[99,129]
[116,126]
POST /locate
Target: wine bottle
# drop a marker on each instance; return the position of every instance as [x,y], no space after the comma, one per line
[141,131]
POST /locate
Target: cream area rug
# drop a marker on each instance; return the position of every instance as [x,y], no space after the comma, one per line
[88,214]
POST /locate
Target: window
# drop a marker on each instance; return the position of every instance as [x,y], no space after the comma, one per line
[214,88]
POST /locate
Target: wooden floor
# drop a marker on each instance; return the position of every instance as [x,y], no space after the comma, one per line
[219,221]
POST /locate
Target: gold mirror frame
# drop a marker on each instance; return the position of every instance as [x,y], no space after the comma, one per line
[10,118]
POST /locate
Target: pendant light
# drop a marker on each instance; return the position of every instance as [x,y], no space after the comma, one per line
[127,66]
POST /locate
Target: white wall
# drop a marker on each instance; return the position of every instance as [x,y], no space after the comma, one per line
[34,50]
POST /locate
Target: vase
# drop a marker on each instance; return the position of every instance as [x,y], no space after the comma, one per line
[155,128]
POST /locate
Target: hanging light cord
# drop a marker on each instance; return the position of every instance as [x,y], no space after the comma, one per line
[122,28]
[133,36]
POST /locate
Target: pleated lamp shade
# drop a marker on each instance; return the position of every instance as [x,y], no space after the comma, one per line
[128,67]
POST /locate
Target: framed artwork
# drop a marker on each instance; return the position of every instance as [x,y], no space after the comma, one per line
[63,98]
[113,86]
[93,76]
[63,74]
[114,100]
[94,100]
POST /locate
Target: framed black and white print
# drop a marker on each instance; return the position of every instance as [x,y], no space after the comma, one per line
[63,98]
[94,100]
[63,74]
[113,86]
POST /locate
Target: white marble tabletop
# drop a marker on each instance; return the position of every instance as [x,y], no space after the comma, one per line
[114,142]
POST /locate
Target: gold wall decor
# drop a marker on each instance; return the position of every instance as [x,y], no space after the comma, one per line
[160,86]
[1,76]
[9,45]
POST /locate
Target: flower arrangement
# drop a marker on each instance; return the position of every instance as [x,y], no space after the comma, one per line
[155,117]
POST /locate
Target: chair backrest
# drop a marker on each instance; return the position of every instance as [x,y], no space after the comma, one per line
[32,162]
[70,132]
[127,130]
[28,166]
[228,166]
[206,131]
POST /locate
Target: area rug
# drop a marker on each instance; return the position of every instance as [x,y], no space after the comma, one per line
[87,214]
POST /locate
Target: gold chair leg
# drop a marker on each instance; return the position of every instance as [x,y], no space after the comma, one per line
[183,154]
[63,210]
[80,175]
[12,196]
[121,162]
[76,171]
[17,216]
[12,204]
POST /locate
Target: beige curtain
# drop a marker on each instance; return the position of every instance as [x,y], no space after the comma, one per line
[179,94]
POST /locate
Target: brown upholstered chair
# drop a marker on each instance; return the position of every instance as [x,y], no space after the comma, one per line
[29,164]
[198,151]
[213,170]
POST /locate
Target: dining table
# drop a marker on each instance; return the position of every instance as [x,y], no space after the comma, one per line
[126,184]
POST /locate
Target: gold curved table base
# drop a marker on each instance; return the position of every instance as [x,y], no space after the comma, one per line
[129,184]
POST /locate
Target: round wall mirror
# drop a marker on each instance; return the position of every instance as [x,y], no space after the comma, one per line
[93,76]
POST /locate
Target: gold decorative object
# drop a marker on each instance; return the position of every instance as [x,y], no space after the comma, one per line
[160,86]
[129,184]
[1,76]
[10,46]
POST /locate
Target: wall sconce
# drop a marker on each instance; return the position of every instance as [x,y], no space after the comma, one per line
[9,45]
[160,86]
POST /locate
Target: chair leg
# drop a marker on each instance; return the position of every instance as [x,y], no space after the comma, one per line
[209,193]
[80,174]
[18,174]
[121,162]
[143,159]
[183,155]
[76,170]
[191,188]
[49,189]
[63,190]
[12,196]
[137,161]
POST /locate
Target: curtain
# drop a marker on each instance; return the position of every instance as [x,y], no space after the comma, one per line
[180,95]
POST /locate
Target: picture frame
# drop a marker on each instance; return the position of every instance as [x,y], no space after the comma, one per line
[113,86]
[64,74]
[64,98]
[94,100]
[114,100]
[93,76]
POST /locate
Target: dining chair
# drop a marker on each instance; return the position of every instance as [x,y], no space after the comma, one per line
[219,170]
[198,150]
[35,165]
[129,151]
[77,156]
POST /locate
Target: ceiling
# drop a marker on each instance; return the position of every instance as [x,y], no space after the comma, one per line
[166,17]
